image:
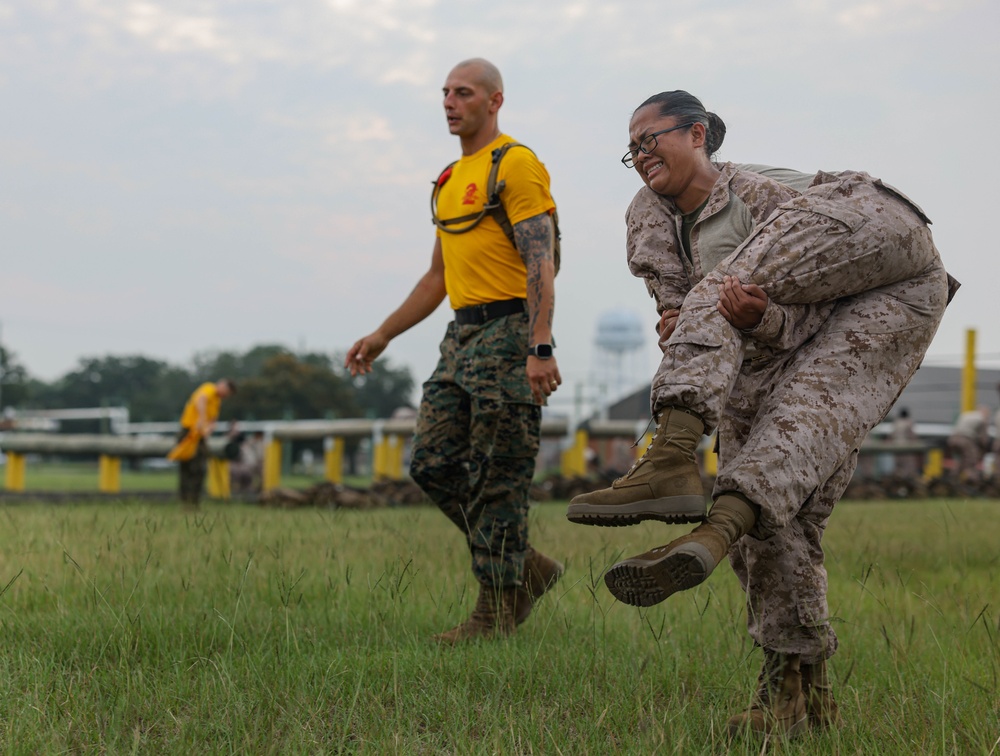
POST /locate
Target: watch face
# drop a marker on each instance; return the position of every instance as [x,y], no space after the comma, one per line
[543,351]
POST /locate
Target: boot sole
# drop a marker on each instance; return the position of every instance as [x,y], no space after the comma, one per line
[644,582]
[670,509]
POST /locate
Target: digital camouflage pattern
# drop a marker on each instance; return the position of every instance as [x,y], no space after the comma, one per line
[862,291]
[843,237]
[783,575]
[476,440]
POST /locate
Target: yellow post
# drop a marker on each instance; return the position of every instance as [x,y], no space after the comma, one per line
[218,478]
[934,468]
[333,457]
[641,447]
[710,464]
[394,468]
[15,472]
[109,474]
[380,458]
[574,459]
[969,372]
[272,465]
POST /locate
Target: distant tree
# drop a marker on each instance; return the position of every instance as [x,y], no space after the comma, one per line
[273,383]
[16,386]
[288,386]
[210,366]
[385,389]
[151,389]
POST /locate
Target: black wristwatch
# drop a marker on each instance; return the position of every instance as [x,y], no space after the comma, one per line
[541,351]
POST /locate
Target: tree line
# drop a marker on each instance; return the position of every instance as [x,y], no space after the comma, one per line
[274,383]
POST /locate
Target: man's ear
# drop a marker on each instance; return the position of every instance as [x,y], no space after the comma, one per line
[496,100]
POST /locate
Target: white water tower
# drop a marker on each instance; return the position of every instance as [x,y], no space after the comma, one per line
[618,352]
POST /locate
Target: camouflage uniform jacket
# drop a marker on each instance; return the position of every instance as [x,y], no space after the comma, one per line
[739,202]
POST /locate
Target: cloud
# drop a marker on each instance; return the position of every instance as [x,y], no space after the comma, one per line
[285,150]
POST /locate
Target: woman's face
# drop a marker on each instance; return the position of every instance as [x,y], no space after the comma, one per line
[669,168]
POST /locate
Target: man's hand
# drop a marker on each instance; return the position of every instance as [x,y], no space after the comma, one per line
[361,356]
[544,378]
[741,304]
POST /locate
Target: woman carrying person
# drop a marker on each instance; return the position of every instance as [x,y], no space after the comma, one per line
[840,290]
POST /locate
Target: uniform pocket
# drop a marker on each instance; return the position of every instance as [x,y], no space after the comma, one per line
[497,365]
[851,219]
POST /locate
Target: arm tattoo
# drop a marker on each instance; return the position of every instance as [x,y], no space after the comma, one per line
[534,244]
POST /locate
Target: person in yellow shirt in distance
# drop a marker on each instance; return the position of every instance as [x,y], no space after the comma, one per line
[197,423]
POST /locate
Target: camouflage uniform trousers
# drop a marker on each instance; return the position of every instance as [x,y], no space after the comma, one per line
[476,440]
[796,425]
[848,240]
[192,472]
[783,576]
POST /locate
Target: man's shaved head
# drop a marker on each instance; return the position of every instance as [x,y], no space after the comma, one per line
[486,74]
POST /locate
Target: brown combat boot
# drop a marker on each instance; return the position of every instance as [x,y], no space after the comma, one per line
[779,704]
[650,578]
[823,710]
[492,617]
[540,574]
[664,483]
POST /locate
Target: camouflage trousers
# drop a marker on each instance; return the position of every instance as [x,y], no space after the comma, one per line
[476,440]
[864,254]
[192,473]
[783,574]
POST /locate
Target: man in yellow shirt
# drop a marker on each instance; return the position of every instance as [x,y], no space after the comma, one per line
[197,422]
[479,420]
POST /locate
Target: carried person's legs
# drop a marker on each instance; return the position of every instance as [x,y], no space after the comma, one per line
[831,393]
[839,239]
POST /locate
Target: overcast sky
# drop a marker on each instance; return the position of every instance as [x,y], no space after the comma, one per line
[191,175]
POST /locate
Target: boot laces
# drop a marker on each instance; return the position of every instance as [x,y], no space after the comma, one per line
[670,439]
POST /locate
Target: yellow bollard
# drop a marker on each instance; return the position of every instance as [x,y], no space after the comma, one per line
[641,447]
[380,463]
[573,462]
[969,372]
[394,468]
[710,461]
[333,457]
[272,465]
[218,478]
[109,474]
[14,479]
[934,468]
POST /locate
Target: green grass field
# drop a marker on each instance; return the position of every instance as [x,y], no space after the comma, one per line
[145,628]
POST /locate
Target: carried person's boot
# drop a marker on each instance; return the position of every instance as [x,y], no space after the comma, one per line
[823,710]
[540,574]
[492,617]
[779,704]
[664,483]
[650,578]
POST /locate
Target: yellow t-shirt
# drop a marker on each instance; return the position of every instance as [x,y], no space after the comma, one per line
[482,265]
[212,403]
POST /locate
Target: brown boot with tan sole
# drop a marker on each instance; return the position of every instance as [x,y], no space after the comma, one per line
[779,705]
[540,574]
[664,483]
[650,578]
[823,710]
[492,617]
